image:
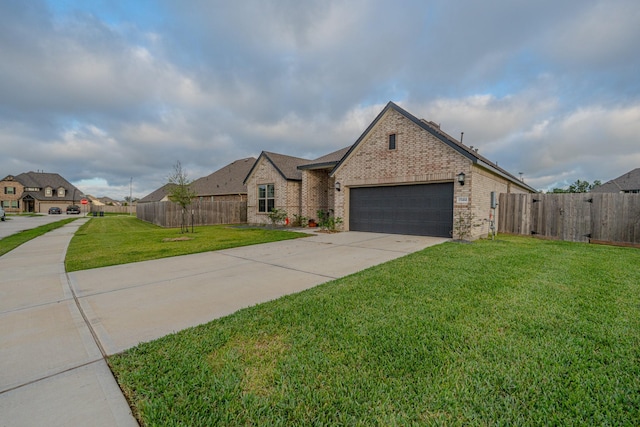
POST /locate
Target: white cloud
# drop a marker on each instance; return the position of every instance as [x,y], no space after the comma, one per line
[548,88]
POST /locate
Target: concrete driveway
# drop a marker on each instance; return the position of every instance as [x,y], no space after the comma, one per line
[128,304]
[57,327]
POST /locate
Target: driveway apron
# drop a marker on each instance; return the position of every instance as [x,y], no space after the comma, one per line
[58,327]
[52,371]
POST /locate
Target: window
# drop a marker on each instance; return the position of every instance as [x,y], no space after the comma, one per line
[266,198]
[9,190]
[392,141]
[61,192]
[48,192]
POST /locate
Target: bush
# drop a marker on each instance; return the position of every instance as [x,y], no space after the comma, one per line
[327,220]
[277,216]
[300,221]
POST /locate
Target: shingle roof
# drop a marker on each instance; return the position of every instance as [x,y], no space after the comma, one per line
[287,166]
[326,161]
[434,129]
[157,195]
[42,180]
[630,181]
[227,180]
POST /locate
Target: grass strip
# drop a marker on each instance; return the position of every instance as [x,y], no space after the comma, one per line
[11,242]
[516,331]
[114,240]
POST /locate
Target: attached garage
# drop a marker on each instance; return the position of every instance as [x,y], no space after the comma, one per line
[421,209]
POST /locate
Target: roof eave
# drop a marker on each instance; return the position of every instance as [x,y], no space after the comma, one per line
[504,175]
[315,166]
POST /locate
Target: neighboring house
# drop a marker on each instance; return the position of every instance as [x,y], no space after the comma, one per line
[225,184]
[627,183]
[108,201]
[95,202]
[159,195]
[37,192]
[403,175]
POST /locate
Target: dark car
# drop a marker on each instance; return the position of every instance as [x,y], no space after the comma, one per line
[73,209]
[55,211]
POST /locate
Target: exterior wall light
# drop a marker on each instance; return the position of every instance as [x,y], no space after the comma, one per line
[461,176]
[337,186]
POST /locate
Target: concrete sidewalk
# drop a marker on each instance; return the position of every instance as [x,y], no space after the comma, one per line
[51,370]
[56,327]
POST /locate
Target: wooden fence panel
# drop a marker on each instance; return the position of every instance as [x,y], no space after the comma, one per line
[581,217]
[113,209]
[617,218]
[169,214]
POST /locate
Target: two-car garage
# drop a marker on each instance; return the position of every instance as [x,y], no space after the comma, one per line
[419,209]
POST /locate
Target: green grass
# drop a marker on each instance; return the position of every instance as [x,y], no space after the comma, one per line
[516,331]
[118,239]
[11,242]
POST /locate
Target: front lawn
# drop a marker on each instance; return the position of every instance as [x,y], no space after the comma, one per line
[516,331]
[118,239]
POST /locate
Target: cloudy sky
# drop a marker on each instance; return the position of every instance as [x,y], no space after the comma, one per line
[105,91]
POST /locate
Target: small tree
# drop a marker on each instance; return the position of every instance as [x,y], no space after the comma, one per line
[180,192]
[578,187]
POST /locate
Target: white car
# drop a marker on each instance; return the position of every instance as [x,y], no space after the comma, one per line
[1,214]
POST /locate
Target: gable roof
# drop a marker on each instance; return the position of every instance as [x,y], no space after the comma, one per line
[287,166]
[157,195]
[226,180]
[434,130]
[42,180]
[630,181]
[327,161]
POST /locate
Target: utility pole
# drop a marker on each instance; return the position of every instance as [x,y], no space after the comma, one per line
[130,196]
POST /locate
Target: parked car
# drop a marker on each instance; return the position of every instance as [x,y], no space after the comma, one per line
[73,209]
[1,214]
[55,211]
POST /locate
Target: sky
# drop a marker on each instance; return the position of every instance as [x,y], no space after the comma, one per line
[111,94]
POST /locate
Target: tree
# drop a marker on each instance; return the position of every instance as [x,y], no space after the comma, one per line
[578,187]
[180,192]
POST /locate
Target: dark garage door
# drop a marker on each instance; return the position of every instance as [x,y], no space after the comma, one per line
[424,209]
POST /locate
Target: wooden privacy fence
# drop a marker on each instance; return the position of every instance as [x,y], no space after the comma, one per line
[114,209]
[169,214]
[581,217]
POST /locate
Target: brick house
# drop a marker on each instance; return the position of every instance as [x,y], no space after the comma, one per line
[37,192]
[225,184]
[627,183]
[403,175]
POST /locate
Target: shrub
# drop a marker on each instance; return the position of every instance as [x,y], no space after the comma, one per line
[277,216]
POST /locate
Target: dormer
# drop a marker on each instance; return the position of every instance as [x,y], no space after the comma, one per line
[48,191]
[61,192]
